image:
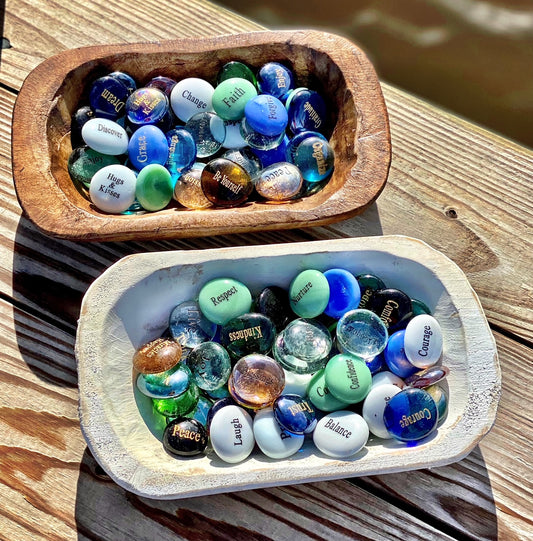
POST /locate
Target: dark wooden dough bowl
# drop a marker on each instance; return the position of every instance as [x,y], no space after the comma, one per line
[359,133]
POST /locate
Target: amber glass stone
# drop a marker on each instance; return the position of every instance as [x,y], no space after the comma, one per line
[188,190]
[157,356]
[225,183]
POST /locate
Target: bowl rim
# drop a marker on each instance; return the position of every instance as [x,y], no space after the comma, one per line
[481,365]
[55,213]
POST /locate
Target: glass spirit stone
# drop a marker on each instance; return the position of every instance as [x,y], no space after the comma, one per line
[236,69]
[157,356]
[376,364]
[315,159]
[344,292]
[273,155]
[112,188]
[246,159]
[218,405]
[225,183]
[188,190]
[201,411]
[348,378]
[168,384]
[427,377]
[273,302]
[279,182]
[423,341]
[231,433]
[392,306]
[374,406]
[411,415]
[249,333]
[306,111]
[165,84]
[320,395]
[361,333]
[309,293]
[295,413]
[210,365]
[272,439]
[303,346]
[295,141]
[231,96]
[369,284]
[154,187]
[107,97]
[419,307]
[208,131]
[178,405]
[84,162]
[105,136]
[181,151]
[191,96]
[256,381]
[341,434]
[395,357]
[146,106]
[185,437]
[146,146]
[222,299]
[275,79]
[188,326]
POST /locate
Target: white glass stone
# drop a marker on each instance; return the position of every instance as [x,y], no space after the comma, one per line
[341,434]
[191,96]
[423,341]
[272,439]
[105,136]
[112,188]
[231,433]
[296,383]
[383,378]
[374,406]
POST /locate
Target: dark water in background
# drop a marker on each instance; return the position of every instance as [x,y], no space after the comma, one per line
[472,57]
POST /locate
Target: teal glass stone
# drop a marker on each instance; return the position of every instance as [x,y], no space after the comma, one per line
[309,293]
[320,395]
[303,346]
[168,384]
[223,299]
[181,151]
[419,308]
[154,187]
[84,162]
[210,365]
[208,131]
[178,405]
[188,326]
[361,333]
[249,333]
[236,69]
[315,159]
[295,141]
[369,284]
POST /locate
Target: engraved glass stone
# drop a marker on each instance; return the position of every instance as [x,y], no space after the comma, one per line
[208,131]
[165,84]
[188,190]
[279,182]
[273,302]
[222,299]
[191,96]
[315,159]
[348,378]
[369,284]
[157,356]
[307,111]
[185,437]
[146,106]
[112,188]
[295,413]
[257,140]
[147,145]
[309,293]
[107,97]
[295,141]
[249,333]
[181,151]
[392,306]
[210,365]
[226,183]
[361,333]
[320,395]
[246,159]
[127,80]
[188,326]
[231,96]
[84,162]
[275,79]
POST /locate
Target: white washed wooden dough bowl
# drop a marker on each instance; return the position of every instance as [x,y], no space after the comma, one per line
[130,304]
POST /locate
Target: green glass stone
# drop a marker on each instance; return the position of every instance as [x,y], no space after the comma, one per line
[84,162]
[249,333]
[154,187]
[236,69]
[419,308]
[348,378]
[179,405]
[223,299]
[231,96]
[309,293]
[320,395]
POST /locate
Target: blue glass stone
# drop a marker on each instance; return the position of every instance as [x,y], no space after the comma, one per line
[393,307]
[217,406]
[369,284]
[210,365]
[294,142]
[181,150]
[376,364]
[127,80]
[361,333]
[266,115]
[208,131]
[108,97]
[249,333]
[307,111]
[201,410]
[272,155]
[315,159]
[246,159]
[344,292]
[275,79]
[273,302]
[165,84]
[395,357]
[169,384]
[295,414]
[147,106]
[411,415]
[188,326]
[79,118]
[146,146]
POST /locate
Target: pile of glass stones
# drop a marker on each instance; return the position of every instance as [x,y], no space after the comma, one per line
[192,144]
[336,358]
